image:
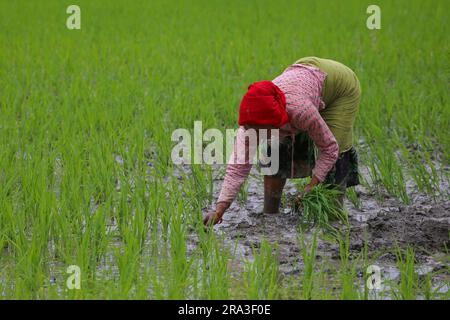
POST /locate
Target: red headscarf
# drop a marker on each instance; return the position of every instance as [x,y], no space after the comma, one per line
[263,104]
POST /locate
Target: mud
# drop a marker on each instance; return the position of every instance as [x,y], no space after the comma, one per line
[423,225]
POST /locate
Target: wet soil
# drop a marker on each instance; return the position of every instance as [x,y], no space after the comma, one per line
[383,224]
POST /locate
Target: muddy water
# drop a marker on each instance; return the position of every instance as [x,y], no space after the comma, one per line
[424,225]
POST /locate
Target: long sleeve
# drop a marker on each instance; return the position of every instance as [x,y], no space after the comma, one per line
[307,118]
[238,167]
[302,86]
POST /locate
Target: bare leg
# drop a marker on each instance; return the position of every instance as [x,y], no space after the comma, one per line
[273,189]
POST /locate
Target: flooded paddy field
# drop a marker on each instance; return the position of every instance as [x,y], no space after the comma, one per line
[92,205]
[381,227]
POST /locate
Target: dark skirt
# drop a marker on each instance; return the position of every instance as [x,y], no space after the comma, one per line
[344,173]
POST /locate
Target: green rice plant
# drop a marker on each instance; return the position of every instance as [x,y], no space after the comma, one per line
[324,282]
[365,265]
[243,193]
[319,207]
[353,196]
[309,262]
[180,265]
[197,186]
[214,275]
[390,171]
[427,287]
[408,286]
[261,275]
[349,290]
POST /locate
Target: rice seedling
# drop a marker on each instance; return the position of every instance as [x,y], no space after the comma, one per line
[353,196]
[408,286]
[261,274]
[309,262]
[348,271]
[214,276]
[243,194]
[319,207]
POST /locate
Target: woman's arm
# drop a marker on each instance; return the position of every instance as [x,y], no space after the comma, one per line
[307,118]
[238,169]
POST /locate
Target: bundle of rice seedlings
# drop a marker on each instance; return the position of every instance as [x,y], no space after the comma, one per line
[319,207]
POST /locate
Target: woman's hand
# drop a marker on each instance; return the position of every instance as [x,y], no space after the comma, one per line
[314,182]
[214,217]
[308,188]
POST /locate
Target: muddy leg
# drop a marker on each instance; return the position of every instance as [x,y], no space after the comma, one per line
[273,189]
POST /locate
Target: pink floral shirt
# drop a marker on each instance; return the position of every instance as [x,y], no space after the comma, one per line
[302,86]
